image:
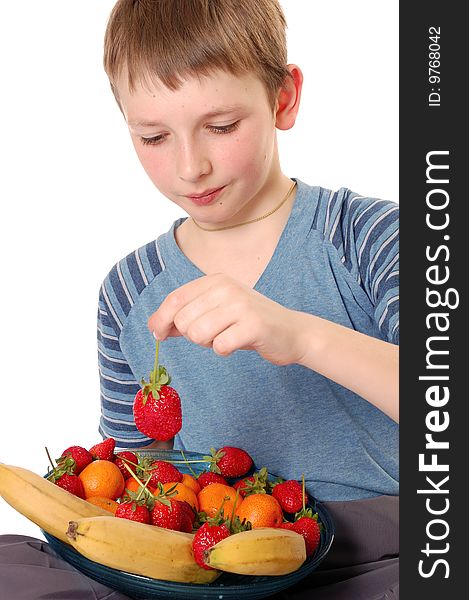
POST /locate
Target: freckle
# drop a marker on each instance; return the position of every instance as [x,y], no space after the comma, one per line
[220,203]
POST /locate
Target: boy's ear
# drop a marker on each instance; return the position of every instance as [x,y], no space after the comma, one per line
[288,101]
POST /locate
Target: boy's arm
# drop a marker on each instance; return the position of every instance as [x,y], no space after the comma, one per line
[367,366]
[367,238]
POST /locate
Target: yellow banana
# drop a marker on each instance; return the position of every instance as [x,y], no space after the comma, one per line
[138,548]
[259,551]
[43,502]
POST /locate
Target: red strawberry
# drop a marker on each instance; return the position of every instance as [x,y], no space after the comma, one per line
[309,528]
[121,459]
[134,511]
[188,517]
[170,516]
[162,471]
[289,495]
[71,483]
[229,461]
[210,477]
[104,450]
[256,484]
[80,455]
[242,485]
[63,475]
[205,538]
[157,406]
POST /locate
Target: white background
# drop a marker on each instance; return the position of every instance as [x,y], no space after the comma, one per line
[74,198]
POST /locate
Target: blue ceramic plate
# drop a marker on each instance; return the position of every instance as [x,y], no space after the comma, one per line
[228,585]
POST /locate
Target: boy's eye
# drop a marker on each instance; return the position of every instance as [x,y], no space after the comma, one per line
[152,141]
[223,128]
[158,139]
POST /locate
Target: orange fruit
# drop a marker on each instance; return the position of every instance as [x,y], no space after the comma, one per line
[102,478]
[262,510]
[132,485]
[183,493]
[211,498]
[191,482]
[106,503]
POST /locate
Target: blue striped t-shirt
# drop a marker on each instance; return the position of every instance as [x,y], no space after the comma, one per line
[336,258]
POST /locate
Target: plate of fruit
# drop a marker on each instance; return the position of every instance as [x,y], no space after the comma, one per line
[158,524]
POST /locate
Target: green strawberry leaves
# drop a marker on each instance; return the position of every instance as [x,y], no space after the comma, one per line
[214,457]
[158,378]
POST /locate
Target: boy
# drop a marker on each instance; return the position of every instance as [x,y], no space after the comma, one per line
[301,279]
[276,301]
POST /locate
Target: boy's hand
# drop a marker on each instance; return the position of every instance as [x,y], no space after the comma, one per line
[219,312]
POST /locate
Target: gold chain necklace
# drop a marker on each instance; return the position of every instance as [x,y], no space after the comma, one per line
[271,212]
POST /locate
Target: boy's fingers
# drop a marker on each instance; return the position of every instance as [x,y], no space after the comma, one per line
[162,321]
[173,332]
[235,337]
[204,329]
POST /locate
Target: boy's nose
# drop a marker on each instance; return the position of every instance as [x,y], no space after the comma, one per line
[192,163]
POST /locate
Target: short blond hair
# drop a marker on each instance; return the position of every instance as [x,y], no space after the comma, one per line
[172,40]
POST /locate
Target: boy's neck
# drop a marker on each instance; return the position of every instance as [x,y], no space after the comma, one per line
[242,252]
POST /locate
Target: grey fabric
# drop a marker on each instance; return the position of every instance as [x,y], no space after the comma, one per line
[362,564]
[30,570]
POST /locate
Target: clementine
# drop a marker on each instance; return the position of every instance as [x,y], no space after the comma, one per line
[183,493]
[106,503]
[211,498]
[102,478]
[191,482]
[262,510]
[132,485]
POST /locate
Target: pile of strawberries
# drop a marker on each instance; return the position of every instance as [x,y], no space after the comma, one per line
[146,490]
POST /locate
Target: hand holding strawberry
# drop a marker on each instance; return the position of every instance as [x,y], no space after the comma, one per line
[157,406]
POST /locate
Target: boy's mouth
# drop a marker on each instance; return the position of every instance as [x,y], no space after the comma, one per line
[206,197]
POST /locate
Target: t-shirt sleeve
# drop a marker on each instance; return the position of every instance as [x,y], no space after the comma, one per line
[373,236]
[117,381]
[119,292]
[365,233]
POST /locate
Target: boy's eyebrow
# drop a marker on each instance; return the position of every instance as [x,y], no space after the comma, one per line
[219,111]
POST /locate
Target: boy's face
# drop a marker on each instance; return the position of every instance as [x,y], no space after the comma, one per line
[209,146]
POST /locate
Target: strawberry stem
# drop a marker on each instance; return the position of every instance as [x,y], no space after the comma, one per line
[234,507]
[129,462]
[186,462]
[303,486]
[50,459]
[154,373]
[143,488]
[219,511]
[135,477]
[188,466]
